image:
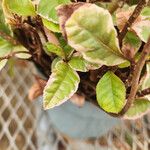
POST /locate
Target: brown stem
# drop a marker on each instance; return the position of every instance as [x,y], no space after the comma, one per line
[30,34]
[8,38]
[129,79]
[31,29]
[94,1]
[136,76]
[90,84]
[143,92]
[141,4]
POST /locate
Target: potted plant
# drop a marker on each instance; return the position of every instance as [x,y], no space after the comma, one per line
[98,52]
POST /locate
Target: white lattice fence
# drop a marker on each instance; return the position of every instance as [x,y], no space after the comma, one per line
[20,118]
[17,121]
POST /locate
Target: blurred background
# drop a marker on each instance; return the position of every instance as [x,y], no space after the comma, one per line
[21,120]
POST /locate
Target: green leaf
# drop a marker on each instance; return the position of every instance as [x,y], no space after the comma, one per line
[19,7]
[90,31]
[111,93]
[63,83]
[133,2]
[138,109]
[68,50]
[132,39]
[3,63]
[146,12]
[52,48]
[78,63]
[3,26]
[5,49]
[20,48]
[107,5]
[46,9]
[124,65]
[131,42]
[143,30]
[51,25]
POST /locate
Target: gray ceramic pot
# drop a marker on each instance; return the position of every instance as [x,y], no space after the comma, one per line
[88,121]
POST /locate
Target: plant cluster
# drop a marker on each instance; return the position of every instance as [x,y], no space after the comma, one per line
[97,49]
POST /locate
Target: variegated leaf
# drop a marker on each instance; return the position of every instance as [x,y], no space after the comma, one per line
[78,63]
[19,7]
[52,48]
[46,9]
[63,83]
[142,29]
[131,44]
[141,25]
[90,30]
[24,54]
[138,109]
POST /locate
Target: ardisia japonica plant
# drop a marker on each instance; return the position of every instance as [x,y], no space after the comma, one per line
[95,50]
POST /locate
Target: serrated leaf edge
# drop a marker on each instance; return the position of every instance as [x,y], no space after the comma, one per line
[51,80]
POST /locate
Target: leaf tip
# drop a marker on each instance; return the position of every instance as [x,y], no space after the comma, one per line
[64,12]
